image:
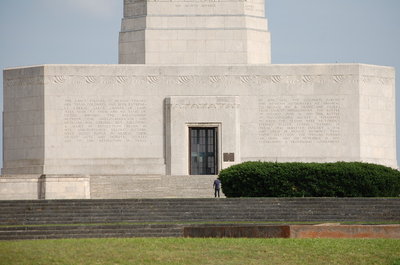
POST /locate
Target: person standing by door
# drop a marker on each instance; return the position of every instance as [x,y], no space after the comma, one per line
[217,187]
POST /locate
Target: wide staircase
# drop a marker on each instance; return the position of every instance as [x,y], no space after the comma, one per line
[41,219]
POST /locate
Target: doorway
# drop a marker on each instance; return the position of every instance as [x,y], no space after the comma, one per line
[203,150]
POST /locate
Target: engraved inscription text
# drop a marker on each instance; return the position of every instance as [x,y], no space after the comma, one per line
[291,120]
[101,120]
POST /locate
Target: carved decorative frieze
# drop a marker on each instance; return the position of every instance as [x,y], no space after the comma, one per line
[185,79]
[59,79]
[276,79]
[153,79]
[122,79]
[307,78]
[338,78]
[90,79]
[217,80]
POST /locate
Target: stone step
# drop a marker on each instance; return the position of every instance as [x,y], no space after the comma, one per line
[185,215]
[321,218]
[88,231]
[200,211]
[60,212]
[191,201]
[89,235]
[89,203]
[183,208]
[288,217]
[180,211]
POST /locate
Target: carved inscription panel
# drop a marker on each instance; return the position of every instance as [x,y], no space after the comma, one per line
[105,120]
[299,120]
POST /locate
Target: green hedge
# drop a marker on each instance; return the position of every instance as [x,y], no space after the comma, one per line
[341,179]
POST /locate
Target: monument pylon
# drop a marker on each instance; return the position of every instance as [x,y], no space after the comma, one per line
[195,92]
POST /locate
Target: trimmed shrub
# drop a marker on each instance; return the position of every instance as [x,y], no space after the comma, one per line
[340,179]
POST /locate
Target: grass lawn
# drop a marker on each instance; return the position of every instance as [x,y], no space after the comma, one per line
[201,251]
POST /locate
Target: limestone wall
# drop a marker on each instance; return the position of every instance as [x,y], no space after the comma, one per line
[23,120]
[20,187]
[114,119]
[194,32]
[377,115]
[123,187]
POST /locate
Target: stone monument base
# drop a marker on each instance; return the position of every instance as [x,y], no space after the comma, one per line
[140,131]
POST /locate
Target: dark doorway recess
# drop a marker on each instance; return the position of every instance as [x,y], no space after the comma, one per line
[203,150]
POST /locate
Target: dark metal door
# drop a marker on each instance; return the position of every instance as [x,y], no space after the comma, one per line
[203,151]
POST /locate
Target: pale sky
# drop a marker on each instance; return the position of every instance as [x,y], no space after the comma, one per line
[303,31]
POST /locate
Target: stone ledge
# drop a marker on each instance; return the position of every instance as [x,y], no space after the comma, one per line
[295,231]
[345,231]
[252,231]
